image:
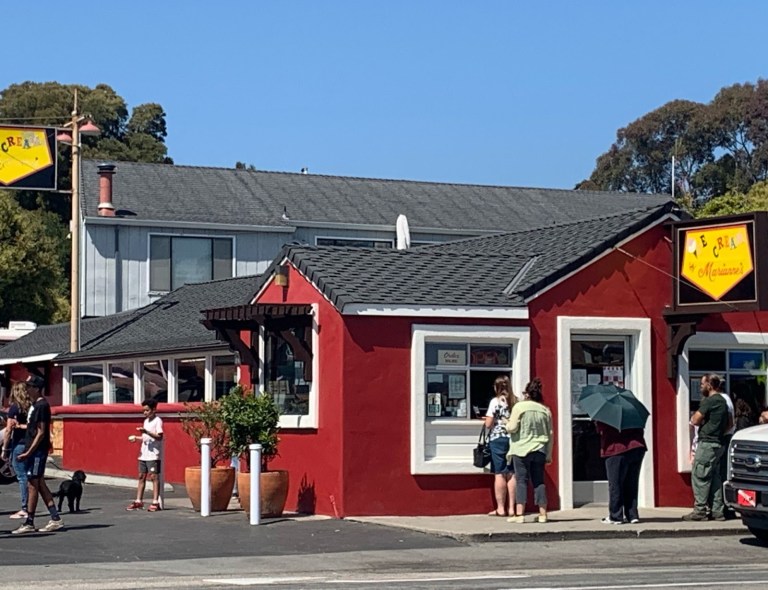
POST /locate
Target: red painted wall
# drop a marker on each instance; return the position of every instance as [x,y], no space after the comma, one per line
[53,375]
[313,457]
[96,440]
[620,286]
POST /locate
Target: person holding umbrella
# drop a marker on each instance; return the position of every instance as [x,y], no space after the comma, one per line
[620,420]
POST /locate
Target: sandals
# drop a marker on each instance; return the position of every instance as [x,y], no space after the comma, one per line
[494,513]
[154,508]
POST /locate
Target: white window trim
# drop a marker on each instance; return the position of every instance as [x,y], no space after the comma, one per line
[309,420]
[138,381]
[641,376]
[183,234]
[703,340]
[518,337]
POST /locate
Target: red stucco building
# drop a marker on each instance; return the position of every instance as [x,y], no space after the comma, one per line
[382,360]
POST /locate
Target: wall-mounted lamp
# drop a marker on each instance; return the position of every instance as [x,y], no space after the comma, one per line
[281,276]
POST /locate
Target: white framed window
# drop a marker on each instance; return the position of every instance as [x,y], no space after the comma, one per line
[739,357]
[452,358]
[122,382]
[289,370]
[177,260]
[354,242]
[87,384]
[639,369]
[224,373]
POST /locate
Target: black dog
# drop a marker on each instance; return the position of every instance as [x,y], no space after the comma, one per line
[72,490]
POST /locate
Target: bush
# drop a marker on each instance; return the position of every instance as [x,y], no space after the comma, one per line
[206,420]
[251,418]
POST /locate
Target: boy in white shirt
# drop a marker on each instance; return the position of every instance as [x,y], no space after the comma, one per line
[149,456]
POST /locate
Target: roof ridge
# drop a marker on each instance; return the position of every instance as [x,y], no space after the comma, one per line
[556,225]
[370,178]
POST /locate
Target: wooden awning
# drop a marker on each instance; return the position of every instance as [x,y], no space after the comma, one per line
[279,317]
[256,313]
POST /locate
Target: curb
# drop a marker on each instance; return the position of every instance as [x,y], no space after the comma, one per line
[613,532]
[588,535]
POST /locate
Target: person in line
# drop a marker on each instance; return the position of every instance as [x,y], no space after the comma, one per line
[530,448]
[149,456]
[13,441]
[37,443]
[496,421]
[743,416]
[727,512]
[713,421]
[623,451]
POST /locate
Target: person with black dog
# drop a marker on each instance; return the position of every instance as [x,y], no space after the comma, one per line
[37,443]
[149,456]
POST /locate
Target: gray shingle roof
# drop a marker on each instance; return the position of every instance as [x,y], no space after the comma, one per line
[492,271]
[220,195]
[172,323]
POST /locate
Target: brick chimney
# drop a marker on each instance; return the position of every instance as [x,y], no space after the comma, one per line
[106,208]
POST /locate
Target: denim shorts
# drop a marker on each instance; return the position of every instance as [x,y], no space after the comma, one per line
[499,449]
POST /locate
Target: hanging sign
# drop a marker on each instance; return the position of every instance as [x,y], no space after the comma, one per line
[717,259]
[717,262]
[27,158]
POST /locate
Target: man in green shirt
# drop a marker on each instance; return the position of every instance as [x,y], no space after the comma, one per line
[713,420]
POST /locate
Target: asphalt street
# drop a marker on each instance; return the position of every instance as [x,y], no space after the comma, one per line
[105,532]
[107,548]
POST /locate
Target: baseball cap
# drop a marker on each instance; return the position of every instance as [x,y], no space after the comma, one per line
[36,381]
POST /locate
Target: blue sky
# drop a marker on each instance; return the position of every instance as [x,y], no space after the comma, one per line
[511,93]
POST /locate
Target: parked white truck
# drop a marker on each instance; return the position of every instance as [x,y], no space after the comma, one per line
[746,489]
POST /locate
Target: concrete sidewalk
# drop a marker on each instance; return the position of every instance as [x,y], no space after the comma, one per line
[578,524]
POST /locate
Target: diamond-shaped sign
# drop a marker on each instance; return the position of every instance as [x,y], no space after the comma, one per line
[24,151]
[717,258]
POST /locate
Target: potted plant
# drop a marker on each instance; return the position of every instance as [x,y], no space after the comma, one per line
[254,418]
[205,420]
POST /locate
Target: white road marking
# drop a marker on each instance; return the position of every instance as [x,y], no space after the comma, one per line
[425,579]
[260,581]
[659,585]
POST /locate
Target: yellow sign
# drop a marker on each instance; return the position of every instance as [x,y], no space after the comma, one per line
[23,151]
[716,259]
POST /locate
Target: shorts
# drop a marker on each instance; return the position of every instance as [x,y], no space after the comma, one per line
[152,467]
[499,449]
[35,464]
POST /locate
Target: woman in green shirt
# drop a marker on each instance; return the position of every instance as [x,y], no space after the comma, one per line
[530,448]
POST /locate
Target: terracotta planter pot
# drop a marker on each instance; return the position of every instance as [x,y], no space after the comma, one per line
[274,492]
[222,484]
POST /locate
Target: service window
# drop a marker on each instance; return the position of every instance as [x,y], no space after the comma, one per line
[460,376]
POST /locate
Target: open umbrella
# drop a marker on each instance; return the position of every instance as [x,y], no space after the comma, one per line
[613,406]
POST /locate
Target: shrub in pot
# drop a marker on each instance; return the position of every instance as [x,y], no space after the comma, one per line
[252,418]
[205,420]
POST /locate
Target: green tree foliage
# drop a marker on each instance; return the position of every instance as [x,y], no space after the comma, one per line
[719,147]
[32,280]
[137,137]
[732,202]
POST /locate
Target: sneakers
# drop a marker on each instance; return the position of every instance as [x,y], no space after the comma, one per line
[541,518]
[154,507]
[695,516]
[53,525]
[634,521]
[18,515]
[24,529]
[608,520]
[135,506]
[720,517]
[516,519]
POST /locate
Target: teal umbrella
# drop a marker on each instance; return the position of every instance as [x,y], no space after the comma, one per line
[613,406]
